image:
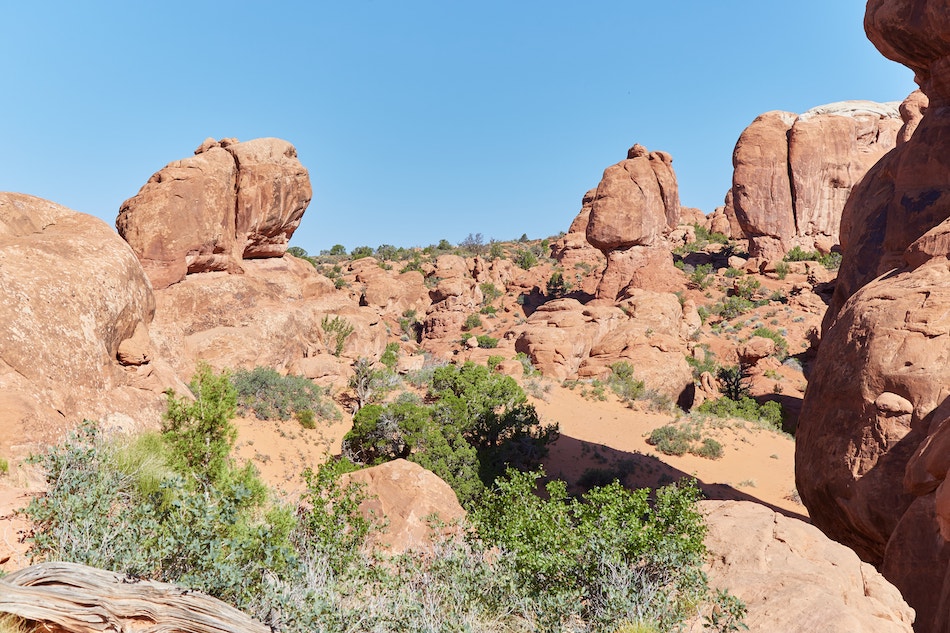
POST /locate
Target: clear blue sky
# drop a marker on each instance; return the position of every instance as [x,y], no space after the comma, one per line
[417,120]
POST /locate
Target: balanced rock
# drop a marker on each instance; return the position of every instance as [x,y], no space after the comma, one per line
[634,206]
[793,173]
[229,202]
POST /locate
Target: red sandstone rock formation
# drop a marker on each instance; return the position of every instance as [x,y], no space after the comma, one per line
[793,173]
[75,326]
[231,201]
[792,578]
[635,205]
[406,496]
[869,460]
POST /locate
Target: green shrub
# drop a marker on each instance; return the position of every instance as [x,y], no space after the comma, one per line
[525,259]
[486,342]
[701,277]
[745,408]
[390,356]
[708,364]
[270,396]
[731,307]
[568,553]
[710,449]
[489,292]
[672,440]
[472,321]
[360,252]
[557,287]
[306,419]
[781,270]
[746,287]
[623,383]
[489,310]
[4,466]
[338,330]
[732,273]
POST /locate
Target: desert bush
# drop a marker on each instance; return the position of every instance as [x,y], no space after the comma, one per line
[670,439]
[525,258]
[370,384]
[746,287]
[557,287]
[572,556]
[699,367]
[472,321]
[745,408]
[731,307]
[410,326]
[338,330]
[486,342]
[490,292]
[4,466]
[701,277]
[623,383]
[830,261]
[271,396]
[710,449]
[390,356]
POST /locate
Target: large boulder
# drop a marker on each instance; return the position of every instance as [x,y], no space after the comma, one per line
[870,458]
[229,202]
[793,173]
[792,578]
[75,326]
[634,207]
[406,496]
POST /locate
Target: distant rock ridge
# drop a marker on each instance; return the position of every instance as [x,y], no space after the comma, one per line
[231,201]
[793,173]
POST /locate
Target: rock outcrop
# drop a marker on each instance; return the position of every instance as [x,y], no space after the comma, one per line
[406,496]
[634,206]
[231,201]
[869,460]
[792,578]
[75,325]
[793,173]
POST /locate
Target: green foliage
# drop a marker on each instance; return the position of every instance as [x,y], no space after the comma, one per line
[570,555]
[4,466]
[410,325]
[745,408]
[831,261]
[472,321]
[337,250]
[495,250]
[270,396]
[390,356]
[623,383]
[557,287]
[732,273]
[306,419]
[296,251]
[732,381]
[707,364]
[486,342]
[781,270]
[710,449]
[360,252]
[199,431]
[338,330]
[525,258]
[731,307]
[621,558]
[746,287]
[490,292]
[672,440]
[701,277]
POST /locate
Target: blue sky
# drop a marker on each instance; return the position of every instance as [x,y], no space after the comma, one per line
[417,120]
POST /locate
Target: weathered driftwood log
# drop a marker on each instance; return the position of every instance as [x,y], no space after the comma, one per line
[79,599]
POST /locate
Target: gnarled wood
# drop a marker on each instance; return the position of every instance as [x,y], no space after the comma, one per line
[79,599]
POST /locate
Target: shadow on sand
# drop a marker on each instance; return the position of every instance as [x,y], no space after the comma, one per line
[585,464]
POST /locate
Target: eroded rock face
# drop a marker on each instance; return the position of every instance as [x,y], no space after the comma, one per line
[634,206]
[869,460]
[792,578]
[75,324]
[229,202]
[793,173]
